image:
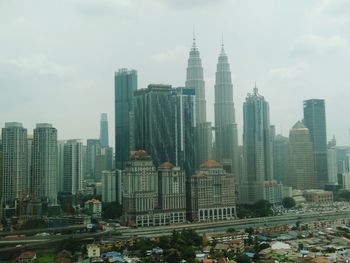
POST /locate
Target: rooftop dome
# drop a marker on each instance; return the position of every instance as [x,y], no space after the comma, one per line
[211,164]
[166,165]
[140,153]
[299,125]
[199,174]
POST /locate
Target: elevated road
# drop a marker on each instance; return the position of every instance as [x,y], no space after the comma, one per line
[222,226]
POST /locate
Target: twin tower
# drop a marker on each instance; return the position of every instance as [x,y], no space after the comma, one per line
[225,147]
[171,123]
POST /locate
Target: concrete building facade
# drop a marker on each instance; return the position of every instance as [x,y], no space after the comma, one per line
[14,162]
[212,197]
[45,163]
[73,167]
[301,173]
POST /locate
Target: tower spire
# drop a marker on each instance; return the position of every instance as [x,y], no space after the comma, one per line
[222,45]
[194,38]
[255,89]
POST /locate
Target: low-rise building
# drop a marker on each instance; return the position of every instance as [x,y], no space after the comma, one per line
[26,257]
[93,250]
[318,196]
[94,208]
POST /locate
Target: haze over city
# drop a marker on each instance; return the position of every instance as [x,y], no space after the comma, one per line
[58,58]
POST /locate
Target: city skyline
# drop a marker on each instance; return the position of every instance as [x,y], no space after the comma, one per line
[308,59]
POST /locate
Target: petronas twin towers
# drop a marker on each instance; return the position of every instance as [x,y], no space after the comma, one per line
[226,146]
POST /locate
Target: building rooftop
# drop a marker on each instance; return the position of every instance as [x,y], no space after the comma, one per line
[166,165]
[93,201]
[140,154]
[211,164]
[299,125]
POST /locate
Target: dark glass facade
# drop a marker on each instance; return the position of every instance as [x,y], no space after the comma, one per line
[125,84]
[315,121]
[164,124]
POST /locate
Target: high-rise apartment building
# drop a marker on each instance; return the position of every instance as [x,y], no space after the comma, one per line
[203,130]
[315,121]
[342,160]
[104,162]
[226,144]
[14,162]
[280,158]
[301,173]
[258,183]
[60,165]
[44,163]
[125,84]
[104,139]
[109,186]
[93,149]
[172,193]
[212,197]
[332,162]
[1,194]
[73,167]
[29,159]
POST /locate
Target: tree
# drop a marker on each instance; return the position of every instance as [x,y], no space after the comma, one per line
[243,259]
[231,230]
[173,258]
[263,208]
[249,230]
[111,210]
[288,202]
[164,242]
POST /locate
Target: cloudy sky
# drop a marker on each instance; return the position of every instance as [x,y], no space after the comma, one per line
[58,57]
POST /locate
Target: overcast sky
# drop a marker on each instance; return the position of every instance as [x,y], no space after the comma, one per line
[58,57]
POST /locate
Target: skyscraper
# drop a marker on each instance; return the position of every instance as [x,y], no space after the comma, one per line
[125,84]
[258,182]
[194,79]
[93,149]
[14,162]
[155,123]
[44,163]
[109,186]
[60,165]
[280,158]
[73,167]
[1,194]
[164,124]
[203,130]
[226,144]
[301,173]
[104,140]
[29,159]
[315,121]
[332,162]
[184,110]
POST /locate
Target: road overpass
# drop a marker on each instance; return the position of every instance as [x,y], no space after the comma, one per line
[222,226]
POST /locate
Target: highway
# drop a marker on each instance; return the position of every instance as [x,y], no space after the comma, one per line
[201,228]
[222,226]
